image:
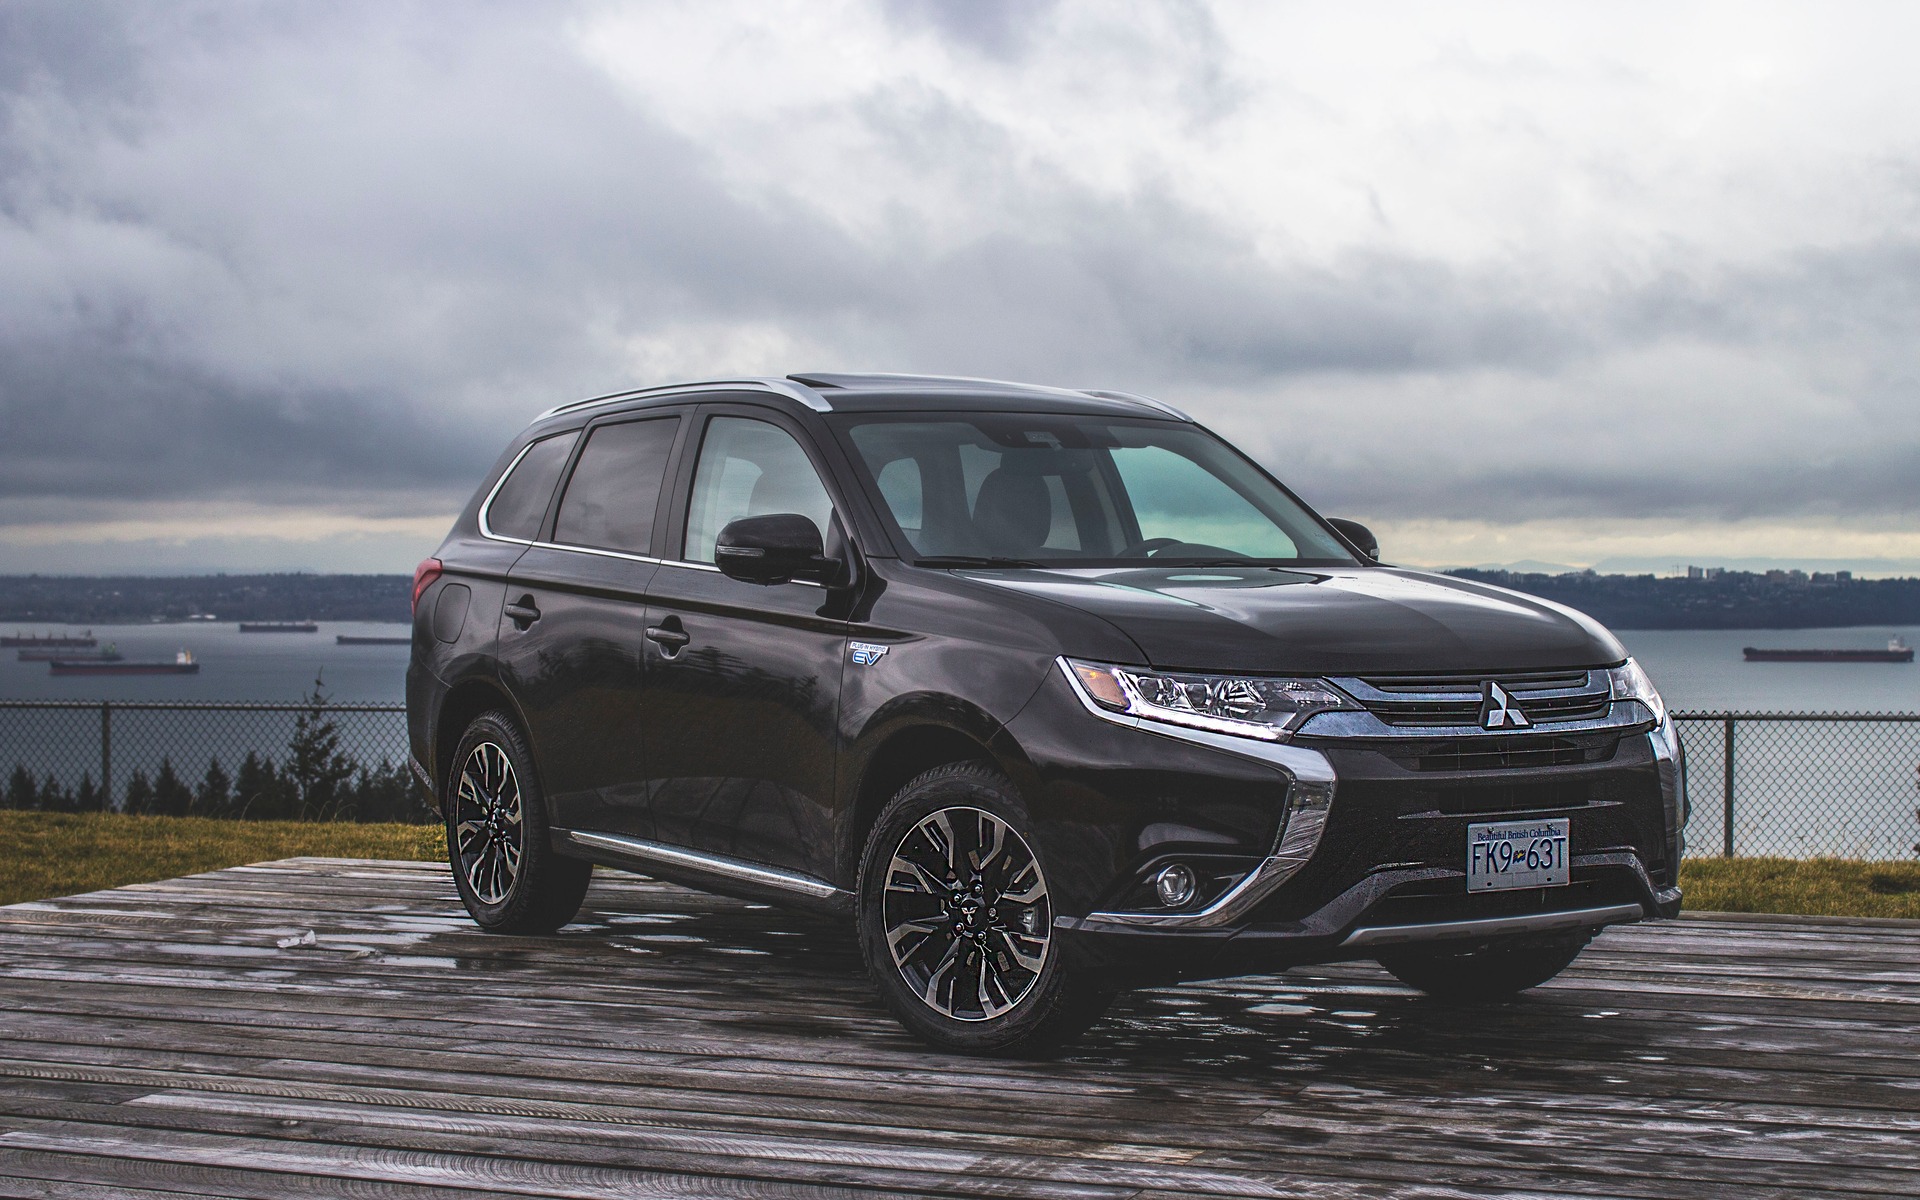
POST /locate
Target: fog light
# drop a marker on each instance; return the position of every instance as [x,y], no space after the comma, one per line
[1175,885]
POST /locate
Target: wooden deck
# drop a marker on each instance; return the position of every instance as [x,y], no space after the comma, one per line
[328,1027]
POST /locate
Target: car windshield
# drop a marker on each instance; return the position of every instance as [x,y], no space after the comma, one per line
[1056,490]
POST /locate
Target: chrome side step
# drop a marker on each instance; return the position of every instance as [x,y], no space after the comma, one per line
[643,852]
[1441,931]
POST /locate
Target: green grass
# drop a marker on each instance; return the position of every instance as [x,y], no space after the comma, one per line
[59,854]
[1826,887]
[55,854]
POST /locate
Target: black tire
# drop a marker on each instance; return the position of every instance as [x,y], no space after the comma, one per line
[503,861]
[1488,971]
[974,966]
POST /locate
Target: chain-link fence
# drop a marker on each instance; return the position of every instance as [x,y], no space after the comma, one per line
[1796,785]
[310,761]
[1803,785]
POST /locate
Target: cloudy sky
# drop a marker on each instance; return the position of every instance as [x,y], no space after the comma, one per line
[1617,284]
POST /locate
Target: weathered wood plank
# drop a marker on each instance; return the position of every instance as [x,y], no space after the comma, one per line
[161,1038]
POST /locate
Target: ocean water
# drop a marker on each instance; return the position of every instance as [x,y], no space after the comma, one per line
[233,665]
[1701,670]
[1696,670]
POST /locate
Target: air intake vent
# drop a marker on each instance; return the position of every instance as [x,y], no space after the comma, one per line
[1506,753]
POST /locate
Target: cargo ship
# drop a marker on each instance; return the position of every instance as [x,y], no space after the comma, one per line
[182,664]
[1897,651]
[107,653]
[278,627]
[347,639]
[53,641]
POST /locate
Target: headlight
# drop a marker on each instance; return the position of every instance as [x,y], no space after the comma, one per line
[1629,682]
[1244,706]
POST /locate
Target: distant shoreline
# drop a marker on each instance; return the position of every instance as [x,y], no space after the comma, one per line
[175,599]
[1777,600]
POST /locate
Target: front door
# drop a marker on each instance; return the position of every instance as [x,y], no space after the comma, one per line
[742,702]
[573,635]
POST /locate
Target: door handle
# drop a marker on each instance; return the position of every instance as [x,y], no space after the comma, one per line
[523,612]
[669,637]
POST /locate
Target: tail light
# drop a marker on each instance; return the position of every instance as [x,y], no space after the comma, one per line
[423,577]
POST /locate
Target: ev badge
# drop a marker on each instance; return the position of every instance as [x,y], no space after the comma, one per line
[865,654]
[1497,709]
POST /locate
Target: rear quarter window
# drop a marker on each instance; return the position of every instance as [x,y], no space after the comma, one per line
[521,501]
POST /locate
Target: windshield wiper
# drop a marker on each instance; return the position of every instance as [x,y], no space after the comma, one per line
[973,560]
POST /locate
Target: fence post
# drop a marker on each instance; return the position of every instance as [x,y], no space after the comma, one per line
[1726,815]
[106,753]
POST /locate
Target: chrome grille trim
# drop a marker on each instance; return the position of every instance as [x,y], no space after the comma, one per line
[1412,701]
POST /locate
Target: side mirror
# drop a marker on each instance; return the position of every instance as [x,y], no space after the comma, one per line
[1361,537]
[770,549]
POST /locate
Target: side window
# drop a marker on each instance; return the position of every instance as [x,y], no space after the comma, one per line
[517,507]
[612,498]
[750,468]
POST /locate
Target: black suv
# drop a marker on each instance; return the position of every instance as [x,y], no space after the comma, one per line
[1053,692]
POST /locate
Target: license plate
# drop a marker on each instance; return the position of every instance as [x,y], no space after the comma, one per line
[1518,854]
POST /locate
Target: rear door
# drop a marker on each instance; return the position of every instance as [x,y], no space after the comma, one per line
[573,632]
[741,707]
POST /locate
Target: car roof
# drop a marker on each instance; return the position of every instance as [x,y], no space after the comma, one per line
[825,392]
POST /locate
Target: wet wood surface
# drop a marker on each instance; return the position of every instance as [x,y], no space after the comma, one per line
[334,1027]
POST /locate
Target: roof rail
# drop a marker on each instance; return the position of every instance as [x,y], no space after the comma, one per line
[780,387]
[858,380]
[1134,397]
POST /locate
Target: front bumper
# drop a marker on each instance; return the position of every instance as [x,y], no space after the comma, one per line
[1370,851]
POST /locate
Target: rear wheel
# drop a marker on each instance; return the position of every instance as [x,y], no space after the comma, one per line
[1490,971]
[956,920]
[497,842]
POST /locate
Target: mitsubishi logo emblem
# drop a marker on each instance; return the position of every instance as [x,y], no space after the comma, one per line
[1498,710]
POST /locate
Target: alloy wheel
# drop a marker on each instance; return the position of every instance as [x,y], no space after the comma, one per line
[966,914]
[488,825]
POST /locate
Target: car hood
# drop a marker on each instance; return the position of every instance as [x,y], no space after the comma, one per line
[1365,620]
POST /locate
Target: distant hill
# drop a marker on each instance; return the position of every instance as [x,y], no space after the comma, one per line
[1727,600]
[131,599]
[1722,599]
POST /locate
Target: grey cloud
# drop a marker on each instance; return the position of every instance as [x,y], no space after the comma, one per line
[999,29]
[304,254]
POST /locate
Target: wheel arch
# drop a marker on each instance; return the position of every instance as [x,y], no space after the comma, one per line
[908,742]
[465,701]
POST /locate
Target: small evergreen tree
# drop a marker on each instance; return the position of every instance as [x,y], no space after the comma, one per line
[386,793]
[139,794]
[215,795]
[171,797]
[54,797]
[22,793]
[255,788]
[88,797]
[316,767]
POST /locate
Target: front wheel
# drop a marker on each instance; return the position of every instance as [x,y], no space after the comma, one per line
[956,920]
[503,862]
[1493,971]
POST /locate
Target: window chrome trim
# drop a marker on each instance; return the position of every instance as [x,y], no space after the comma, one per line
[486,506]
[639,558]
[1309,803]
[712,864]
